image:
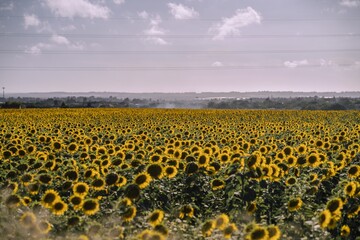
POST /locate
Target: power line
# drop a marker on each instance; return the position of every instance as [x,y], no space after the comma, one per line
[74,35]
[192,19]
[164,68]
[195,52]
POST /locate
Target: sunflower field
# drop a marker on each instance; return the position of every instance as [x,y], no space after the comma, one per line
[179,174]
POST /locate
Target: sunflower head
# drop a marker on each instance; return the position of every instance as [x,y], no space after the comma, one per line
[156,217]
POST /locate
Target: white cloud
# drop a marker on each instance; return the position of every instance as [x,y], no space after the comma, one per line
[231,26]
[294,64]
[324,62]
[217,64]
[143,15]
[77,8]
[31,21]
[157,41]
[350,3]
[180,11]
[37,49]
[155,31]
[61,40]
[119,1]
[68,28]
[7,7]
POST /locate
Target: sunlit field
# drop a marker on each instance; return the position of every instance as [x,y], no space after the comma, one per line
[179,174]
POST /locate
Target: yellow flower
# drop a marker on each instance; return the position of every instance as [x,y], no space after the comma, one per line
[49,198]
[80,189]
[186,210]
[171,171]
[156,217]
[59,207]
[222,221]
[259,233]
[217,184]
[335,205]
[345,231]
[142,180]
[294,204]
[274,232]
[350,189]
[129,213]
[90,206]
[324,218]
[207,228]
[229,230]
[28,219]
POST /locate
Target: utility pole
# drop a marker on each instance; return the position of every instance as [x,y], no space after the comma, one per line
[3,92]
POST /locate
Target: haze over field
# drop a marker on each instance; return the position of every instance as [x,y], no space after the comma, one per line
[179,45]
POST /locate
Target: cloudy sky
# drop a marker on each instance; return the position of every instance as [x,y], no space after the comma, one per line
[179,45]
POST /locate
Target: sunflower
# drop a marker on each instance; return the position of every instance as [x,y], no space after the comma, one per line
[28,219]
[253,161]
[350,189]
[111,179]
[259,233]
[207,228]
[155,170]
[335,205]
[294,204]
[26,201]
[274,232]
[49,198]
[59,207]
[132,191]
[44,227]
[13,201]
[116,233]
[156,217]
[354,171]
[288,150]
[291,160]
[170,171]
[160,228]
[217,184]
[73,221]
[251,207]
[124,202]
[149,235]
[121,181]
[26,179]
[76,201]
[324,218]
[33,188]
[203,160]
[90,206]
[142,180]
[45,178]
[229,230]
[14,186]
[301,161]
[129,213]
[98,184]
[221,221]
[71,175]
[290,181]
[186,210]
[353,211]
[313,160]
[81,189]
[345,231]
[72,148]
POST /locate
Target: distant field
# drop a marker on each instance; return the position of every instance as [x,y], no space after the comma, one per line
[179,174]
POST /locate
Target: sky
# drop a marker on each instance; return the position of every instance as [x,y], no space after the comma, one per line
[179,45]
